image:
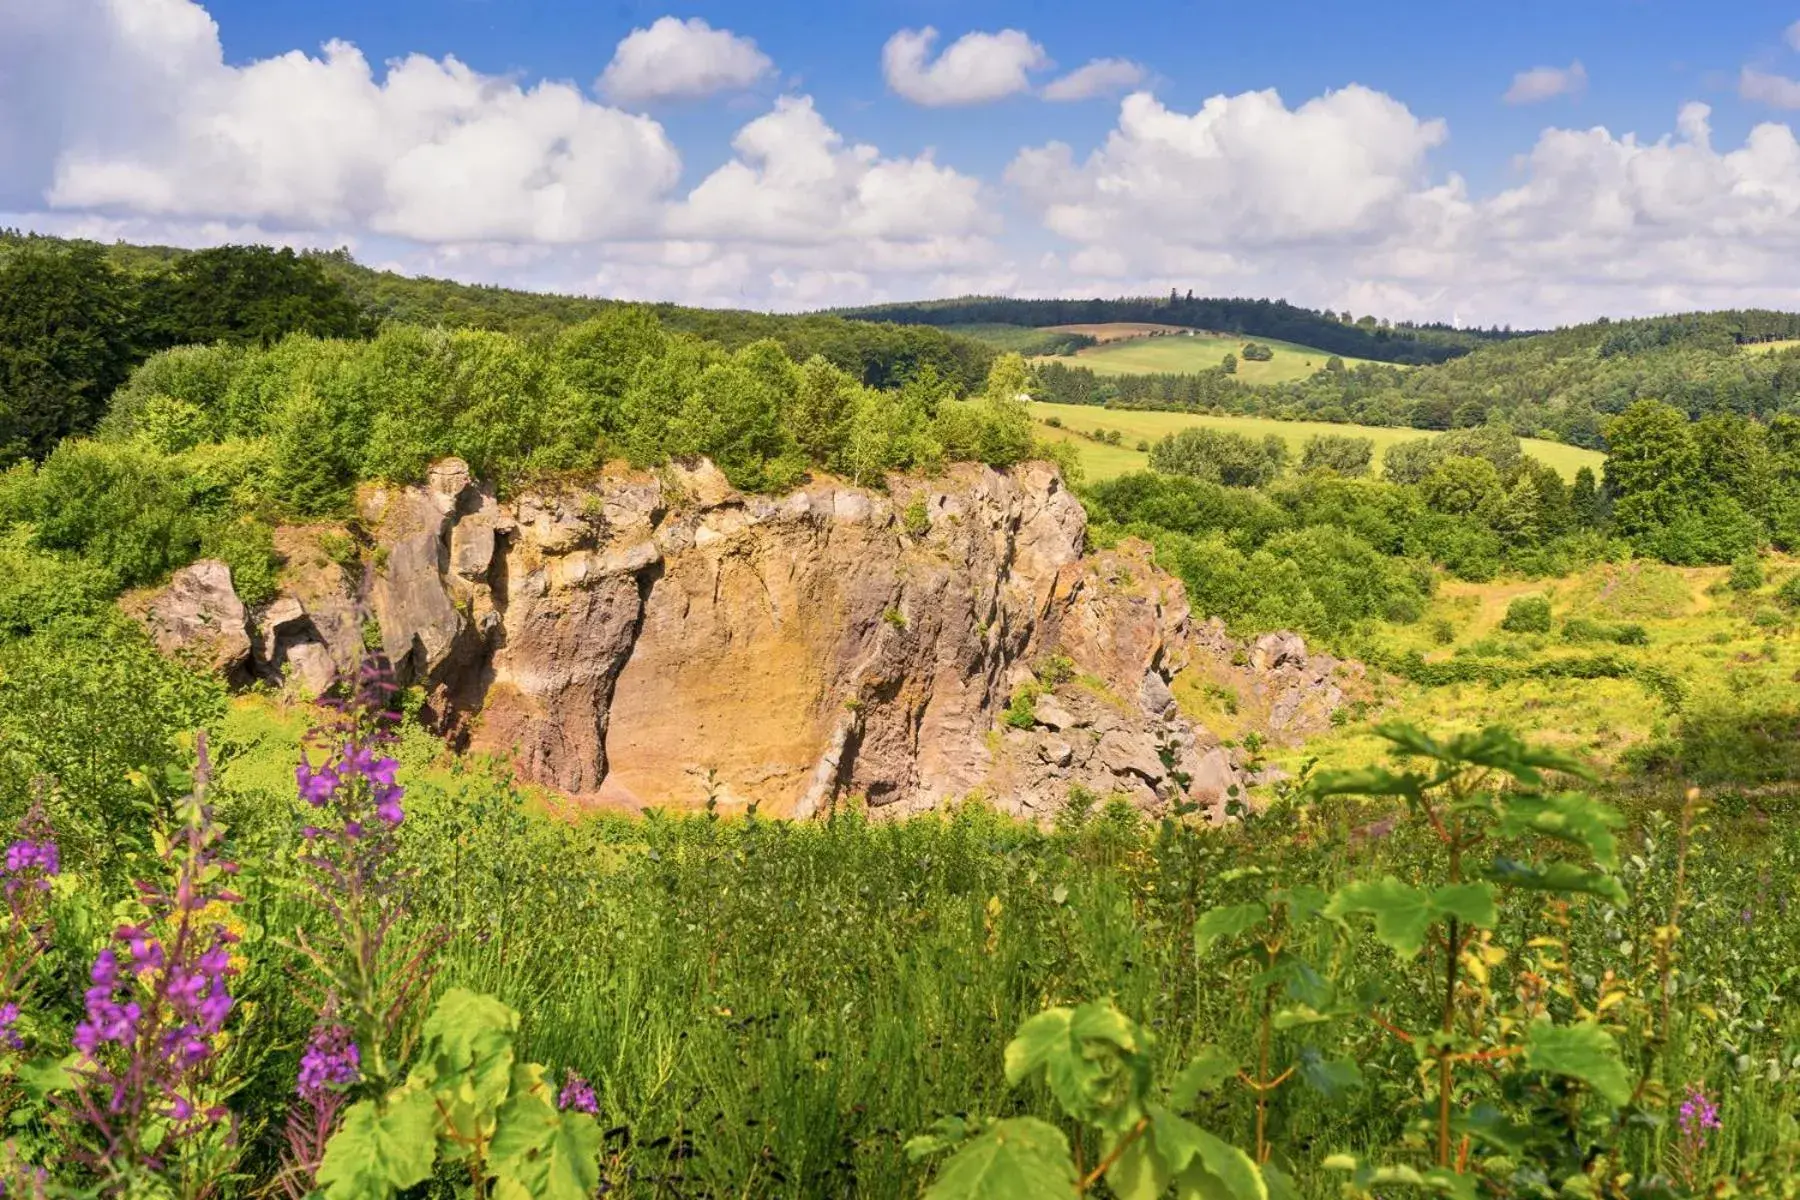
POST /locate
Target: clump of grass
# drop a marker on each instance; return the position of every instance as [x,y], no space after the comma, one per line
[1635,590]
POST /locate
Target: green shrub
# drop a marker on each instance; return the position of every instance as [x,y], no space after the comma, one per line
[1527,614]
[124,507]
[247,546]
[1746,573]
[1768,617]
[1021,710]
[915,519]
[1789,591]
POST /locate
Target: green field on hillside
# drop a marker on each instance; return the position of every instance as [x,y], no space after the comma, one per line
[1185,353]
[1106,461]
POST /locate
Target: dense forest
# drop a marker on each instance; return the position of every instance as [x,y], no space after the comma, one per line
[1358,337]
[75,318]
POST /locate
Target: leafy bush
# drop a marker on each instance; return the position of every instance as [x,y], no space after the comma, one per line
[1232,459]
[1527,614]
[1789,591]
[1746,573]
[1338,453]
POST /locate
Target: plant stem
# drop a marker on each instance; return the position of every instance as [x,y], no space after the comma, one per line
[1453,950]
[1093,1177]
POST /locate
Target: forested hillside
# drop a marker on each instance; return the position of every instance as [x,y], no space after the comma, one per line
[75,317]
[1364,337]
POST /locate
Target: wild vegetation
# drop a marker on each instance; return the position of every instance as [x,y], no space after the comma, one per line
[313,950]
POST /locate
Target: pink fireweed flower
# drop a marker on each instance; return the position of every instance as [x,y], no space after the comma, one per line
[577,1095]
[1698,1116]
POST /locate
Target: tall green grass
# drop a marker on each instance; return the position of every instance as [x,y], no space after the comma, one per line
[771,1009]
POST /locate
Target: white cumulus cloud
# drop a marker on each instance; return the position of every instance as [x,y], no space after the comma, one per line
[149,119]
[1547,83]
[974,69]
[1335,203]
[1767,87]
[675,59]
[1102,77]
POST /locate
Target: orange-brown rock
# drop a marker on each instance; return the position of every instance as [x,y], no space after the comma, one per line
[658,638]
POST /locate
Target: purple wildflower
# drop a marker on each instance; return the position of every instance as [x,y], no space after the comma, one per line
[30,862]
[156,1007]
[577,1095]
[1699,1115]
[331,1061]
[349,846]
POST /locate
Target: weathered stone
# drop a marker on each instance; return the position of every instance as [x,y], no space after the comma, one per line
[310,667]
[653,640]
[1213,779]
[1275,650]
[1130,754]
[199,617]
[1051,714]
[1154,695]
[447,482]
[283,615]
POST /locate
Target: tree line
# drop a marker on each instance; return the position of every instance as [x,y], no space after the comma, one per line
[76,317]
[1364,337]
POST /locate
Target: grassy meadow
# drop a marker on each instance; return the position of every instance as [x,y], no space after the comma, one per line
[1733,656]
[1123,351]
[1106,461]
[772,1009]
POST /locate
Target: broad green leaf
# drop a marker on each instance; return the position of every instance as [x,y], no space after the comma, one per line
[1219,1171]
[1296,1016]
[1567,816]
[1303,902]
[1228,921]
[1017,1158]
[43,1076]
[467,1061]
[1564,877]
[1079,1050]
[1494,1127]
[1470,903]
[1210,1067]
[1367,781]
[539,1153]
[1585,1052]
[1281,1185]
[945,1132]
[1402,912]
[1440,1181]
[381,1149]
[1332,1078]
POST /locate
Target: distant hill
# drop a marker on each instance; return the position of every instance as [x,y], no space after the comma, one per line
[1329,332]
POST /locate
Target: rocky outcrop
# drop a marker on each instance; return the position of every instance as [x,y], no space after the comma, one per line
[199,617]
[658,638]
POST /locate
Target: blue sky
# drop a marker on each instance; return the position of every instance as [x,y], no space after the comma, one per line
[1649,165]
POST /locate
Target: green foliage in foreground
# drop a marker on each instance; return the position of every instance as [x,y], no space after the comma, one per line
[1521,1090]
[728,1061]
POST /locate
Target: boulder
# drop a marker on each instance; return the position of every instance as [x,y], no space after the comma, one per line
[1131,754]
[1050,713]
[1273,651]
[199,617]
[1056,752]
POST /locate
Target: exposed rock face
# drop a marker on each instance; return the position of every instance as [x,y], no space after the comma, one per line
[650,639]
[199,617]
